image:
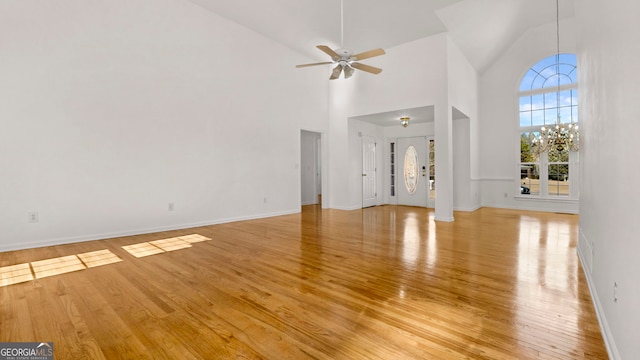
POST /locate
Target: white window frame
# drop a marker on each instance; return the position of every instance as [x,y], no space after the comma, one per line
[544,162]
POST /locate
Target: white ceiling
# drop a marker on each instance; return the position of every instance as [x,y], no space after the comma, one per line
[423,114]
[481,28]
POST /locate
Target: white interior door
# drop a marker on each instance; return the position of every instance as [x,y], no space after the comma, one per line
[413,173]
[369,190]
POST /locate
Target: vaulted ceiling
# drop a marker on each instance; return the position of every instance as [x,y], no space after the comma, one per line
[481,28]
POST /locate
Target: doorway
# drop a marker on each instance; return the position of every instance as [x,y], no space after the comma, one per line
[310,168]
[414,172]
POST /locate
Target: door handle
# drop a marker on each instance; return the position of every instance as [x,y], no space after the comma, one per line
[364,174]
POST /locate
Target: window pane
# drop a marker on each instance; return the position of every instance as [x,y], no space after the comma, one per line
[565,79]
[537,117]
[558,156]
[566,70]
[552,81]
[538,82]
[549,71]
[566,98]
[551,100]
[527,80]
[392,149]
[574,97]
[525,118]
[550,116]
[527,154]
[558,179]
[537,102]
[525,103]
[544,73]
[529,179]
[565,115]
[432,169]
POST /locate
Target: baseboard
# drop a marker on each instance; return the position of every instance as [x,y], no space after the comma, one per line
[602,319]
[542,208]
[444,219]
[467,209]
[347,208]
[133,232]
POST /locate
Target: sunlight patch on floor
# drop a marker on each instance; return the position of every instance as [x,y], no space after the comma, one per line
[15,274]
[163,245]
[142,249]
[99,258]
[57,266]
[171,244]
[193,238]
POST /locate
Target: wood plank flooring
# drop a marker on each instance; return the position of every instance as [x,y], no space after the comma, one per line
[379,283]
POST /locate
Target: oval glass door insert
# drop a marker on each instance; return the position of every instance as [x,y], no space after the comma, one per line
[411,169]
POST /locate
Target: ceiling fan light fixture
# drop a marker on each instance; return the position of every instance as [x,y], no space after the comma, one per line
[336,72]
[348,71]
[345,59]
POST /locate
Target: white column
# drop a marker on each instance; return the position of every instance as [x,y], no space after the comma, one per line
[444,162]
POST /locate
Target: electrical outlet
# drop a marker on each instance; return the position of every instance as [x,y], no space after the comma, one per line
[615,291]
[171,207]
[33,217]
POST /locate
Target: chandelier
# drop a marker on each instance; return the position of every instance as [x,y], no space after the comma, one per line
[561,136]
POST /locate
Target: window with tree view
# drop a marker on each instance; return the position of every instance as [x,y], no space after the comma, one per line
[548,89]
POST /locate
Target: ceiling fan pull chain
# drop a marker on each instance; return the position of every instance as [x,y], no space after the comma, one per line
[342,24]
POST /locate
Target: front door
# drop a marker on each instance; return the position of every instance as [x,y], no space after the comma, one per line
[369,190]
[413,185]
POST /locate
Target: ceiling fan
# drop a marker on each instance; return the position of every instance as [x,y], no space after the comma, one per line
[344,59]
[347,62]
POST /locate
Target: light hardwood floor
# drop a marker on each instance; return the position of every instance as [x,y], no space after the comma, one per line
[379,283]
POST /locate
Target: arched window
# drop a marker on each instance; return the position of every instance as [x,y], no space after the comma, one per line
[547,90]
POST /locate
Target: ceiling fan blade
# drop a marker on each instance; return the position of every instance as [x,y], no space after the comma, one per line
[314,64]
[348,71]
[327,50]
[367,68]
[369,54]
[336,72]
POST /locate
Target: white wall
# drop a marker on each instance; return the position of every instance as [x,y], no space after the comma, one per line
[462,182]
[463,96]
[608,52]
[111,110]
[499,127]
